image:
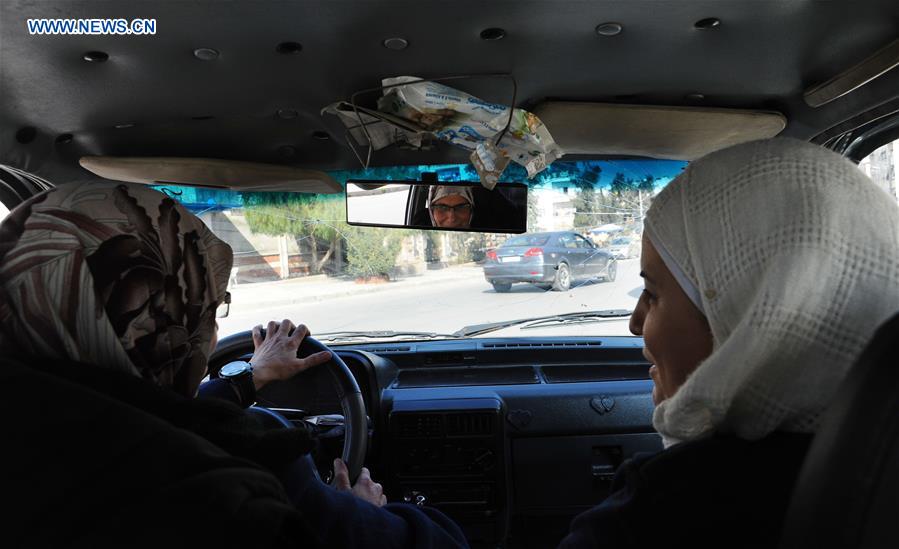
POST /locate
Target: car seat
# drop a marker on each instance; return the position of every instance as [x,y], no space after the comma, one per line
[847,494]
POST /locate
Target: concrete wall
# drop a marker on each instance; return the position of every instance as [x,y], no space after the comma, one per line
[257,257]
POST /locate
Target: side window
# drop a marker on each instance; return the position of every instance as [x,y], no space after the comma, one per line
[882,166]
[4,211]
[567,241]
[581,241]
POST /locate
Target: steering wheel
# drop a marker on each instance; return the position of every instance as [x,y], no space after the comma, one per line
[238,346]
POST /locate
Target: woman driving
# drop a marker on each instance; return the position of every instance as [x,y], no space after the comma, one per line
[450,206]
[767,267]
[108,295]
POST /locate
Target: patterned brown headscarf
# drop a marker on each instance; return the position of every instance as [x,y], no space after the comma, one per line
[114,275]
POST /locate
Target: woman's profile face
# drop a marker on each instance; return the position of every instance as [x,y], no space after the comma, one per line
[676,335]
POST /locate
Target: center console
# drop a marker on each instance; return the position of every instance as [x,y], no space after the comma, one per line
[448,454]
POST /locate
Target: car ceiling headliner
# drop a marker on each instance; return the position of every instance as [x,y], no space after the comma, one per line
[762,56]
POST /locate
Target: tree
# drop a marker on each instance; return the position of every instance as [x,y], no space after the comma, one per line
[592,174]
[585,207]
[620,184]
[313,221]
[327,224]
[372,251]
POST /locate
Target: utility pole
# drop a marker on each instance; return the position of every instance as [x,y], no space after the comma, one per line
[640,195]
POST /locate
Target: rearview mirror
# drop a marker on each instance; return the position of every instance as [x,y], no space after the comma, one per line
[443,207]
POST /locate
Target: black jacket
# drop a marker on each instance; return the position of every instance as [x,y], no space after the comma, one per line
[718,492]
[97,458]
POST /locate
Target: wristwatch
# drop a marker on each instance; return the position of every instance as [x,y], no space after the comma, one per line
[240,375]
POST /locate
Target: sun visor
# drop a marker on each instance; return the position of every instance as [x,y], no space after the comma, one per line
[209,172]
[674,133]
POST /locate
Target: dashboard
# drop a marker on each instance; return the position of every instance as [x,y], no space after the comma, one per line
[511,437]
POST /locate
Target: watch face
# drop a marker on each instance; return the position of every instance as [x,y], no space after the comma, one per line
[233,369]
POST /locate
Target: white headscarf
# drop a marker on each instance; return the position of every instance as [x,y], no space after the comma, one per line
[436,192]
[792,254]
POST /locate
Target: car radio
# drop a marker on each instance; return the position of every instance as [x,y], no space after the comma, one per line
[449,455]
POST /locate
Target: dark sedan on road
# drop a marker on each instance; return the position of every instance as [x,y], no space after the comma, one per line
[549,260]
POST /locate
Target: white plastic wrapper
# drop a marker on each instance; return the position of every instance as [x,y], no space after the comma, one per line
[466,121]
[489,162]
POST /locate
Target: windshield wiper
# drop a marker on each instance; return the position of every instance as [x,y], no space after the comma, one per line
[378,334]
[578,318]
[538,321]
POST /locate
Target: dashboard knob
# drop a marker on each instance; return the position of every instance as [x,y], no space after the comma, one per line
[416,497]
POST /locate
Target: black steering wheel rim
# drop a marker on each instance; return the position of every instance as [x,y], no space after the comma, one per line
[355,442]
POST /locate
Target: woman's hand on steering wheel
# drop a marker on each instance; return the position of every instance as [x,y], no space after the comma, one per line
[365,488]
[275,354]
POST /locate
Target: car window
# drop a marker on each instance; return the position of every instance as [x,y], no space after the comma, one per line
[620,242]
[882,166]
[4,211]
[582,242]
[527,240]
[567,241]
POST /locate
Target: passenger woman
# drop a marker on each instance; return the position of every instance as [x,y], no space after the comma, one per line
[767,267]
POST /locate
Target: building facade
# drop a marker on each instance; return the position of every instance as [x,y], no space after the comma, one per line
[882,166]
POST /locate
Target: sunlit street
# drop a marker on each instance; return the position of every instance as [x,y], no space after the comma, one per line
[440,301]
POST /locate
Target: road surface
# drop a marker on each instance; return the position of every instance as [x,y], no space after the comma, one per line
[443,306]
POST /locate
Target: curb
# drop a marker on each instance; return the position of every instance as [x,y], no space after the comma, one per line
[345,292]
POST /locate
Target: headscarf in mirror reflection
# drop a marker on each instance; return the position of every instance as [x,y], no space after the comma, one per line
[437,192]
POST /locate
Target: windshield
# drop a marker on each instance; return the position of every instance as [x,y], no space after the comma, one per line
[295,256]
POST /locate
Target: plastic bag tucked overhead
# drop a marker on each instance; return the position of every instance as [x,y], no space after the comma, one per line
[473,124]
[383,128]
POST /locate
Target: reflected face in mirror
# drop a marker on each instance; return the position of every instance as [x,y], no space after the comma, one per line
[452,212]
[455,206]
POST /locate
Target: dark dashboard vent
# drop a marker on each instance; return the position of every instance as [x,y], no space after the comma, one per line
[461,377]
[395,349]
[466,425]
[419,426]
[599,372]
[559,344]
[440,425]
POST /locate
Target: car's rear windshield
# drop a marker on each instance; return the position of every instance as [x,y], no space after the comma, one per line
[527,240]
